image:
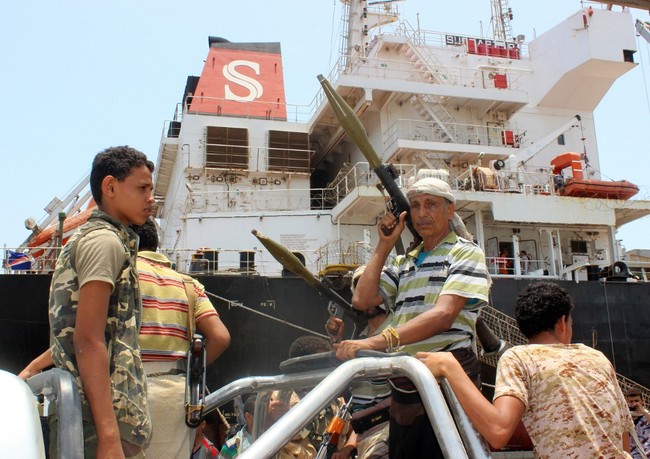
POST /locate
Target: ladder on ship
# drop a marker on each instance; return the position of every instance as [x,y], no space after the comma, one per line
[501,17]
[505,327]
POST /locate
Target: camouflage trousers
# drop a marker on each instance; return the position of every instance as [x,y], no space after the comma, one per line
[90,441]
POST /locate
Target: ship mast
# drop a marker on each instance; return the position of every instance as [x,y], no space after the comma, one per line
[358,19]
[500,22]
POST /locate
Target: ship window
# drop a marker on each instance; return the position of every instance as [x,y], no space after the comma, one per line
[289,151]
[226,147]
[578,246]
[560,140]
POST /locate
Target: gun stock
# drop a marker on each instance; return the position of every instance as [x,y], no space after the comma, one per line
[195,382]
[289,261]
[386,173]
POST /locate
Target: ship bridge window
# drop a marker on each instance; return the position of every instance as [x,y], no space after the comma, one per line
[226,147]
[289,151]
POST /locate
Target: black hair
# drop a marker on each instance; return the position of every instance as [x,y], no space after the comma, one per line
[148,234]
[249,405]
[307,345]
[118,162]
[539,307]
[634,392]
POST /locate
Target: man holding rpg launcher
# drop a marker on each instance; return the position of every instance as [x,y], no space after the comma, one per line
[436,290]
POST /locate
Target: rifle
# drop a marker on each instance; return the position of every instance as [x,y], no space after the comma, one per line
[333,432]
[386,173]
[338,305]
[195,382]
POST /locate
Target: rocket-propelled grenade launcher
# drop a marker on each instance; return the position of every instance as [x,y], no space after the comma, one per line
[386,173]
[291,262]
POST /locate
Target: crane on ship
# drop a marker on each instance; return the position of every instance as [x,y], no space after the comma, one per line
[643,28]
[537,145]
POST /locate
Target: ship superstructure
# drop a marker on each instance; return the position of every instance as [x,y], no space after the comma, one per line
[491,114]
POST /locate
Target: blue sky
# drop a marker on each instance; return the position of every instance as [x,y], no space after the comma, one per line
[79,76]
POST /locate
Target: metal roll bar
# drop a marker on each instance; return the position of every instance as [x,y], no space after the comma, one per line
[335,382]
[60,387]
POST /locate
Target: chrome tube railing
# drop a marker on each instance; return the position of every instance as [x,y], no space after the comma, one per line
[476,445]
[60,387]
[337,381]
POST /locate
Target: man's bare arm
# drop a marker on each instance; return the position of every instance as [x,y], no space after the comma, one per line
[366,294]
[217,337]
[495,422]
[37,365]
[92,360]
[430,323]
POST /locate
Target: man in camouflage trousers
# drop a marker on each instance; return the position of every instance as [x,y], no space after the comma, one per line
[95,308]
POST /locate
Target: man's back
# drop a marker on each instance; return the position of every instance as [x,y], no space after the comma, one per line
[574,407]
[165,315]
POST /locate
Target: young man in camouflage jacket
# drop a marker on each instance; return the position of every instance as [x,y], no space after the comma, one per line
[95,307]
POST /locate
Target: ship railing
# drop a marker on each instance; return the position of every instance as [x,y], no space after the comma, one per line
[453,429]
[516,267]
[270,110]
[217,260]
[358,174]
[458,41]
[470,134]
[344,253]
[258,200]
[404,70]
[481,178]
[19,260]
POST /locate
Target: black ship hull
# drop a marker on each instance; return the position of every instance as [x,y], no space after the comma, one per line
[610,316]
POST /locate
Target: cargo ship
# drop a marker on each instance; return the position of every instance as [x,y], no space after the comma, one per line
[490,114]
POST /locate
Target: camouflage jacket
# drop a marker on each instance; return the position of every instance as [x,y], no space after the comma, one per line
[127,375]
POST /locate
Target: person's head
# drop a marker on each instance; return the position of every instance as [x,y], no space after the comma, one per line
[307,345]
[210,426]
[249,411]
[634,398]
[121,184]
[543,306]
[279,403]
[148,234]
[523,252]
[432,207]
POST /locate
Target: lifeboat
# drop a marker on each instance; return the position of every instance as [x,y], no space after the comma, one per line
[579,187]
[42,243]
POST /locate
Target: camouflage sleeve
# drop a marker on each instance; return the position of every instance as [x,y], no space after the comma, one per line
[511,379]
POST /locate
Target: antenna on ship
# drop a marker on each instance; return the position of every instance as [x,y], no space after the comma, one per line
[500,22]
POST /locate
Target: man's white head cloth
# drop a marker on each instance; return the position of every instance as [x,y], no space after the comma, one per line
[432,186]
[437,187]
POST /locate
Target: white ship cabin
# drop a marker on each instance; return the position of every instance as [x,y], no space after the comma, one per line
[490,115]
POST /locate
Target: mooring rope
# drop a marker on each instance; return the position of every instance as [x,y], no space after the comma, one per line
[237,304]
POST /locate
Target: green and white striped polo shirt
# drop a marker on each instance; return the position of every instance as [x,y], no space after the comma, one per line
[455,266]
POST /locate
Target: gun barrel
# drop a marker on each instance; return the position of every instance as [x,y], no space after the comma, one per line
[357,133]
[289,261]
[350,123]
